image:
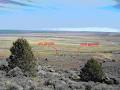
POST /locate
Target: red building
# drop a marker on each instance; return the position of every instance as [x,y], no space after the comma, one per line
[89,44]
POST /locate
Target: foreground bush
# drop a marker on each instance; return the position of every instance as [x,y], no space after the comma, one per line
[22,57]
[92,71]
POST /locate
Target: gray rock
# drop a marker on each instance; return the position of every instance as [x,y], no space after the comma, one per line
[42,74]
[24,82]
[3,65]
[2,74]
[61,85]
[76,86]
[39,68]
[71,74]
[3,62]
[67,80]
[104,87]
[2,85]
[30,88]
[47,74]
[111,80]
[46,68]
[57,84]
[75,77]
[13,86]
[15,72]
[50,69]
[88,85]
[44,88]
[52,75]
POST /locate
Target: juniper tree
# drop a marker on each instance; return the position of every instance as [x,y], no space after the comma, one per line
[22,57]
[92,71]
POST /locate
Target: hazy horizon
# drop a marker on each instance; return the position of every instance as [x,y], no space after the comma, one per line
[88,29]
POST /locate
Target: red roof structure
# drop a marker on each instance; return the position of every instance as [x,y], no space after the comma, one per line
[89,44]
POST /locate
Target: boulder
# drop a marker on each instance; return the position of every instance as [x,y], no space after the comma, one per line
[57,84]
[104,87]
[3,85]
[15,72]
[87,85]
[39,68]
[2,74]
[111,80]
[42,74]
[76,86]
[61,85]
[24,82]
[75,78]
[3,62]
[52,75]
[44,88]
[4,65]
[13,86]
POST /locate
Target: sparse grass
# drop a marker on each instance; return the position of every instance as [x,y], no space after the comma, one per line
[69,51]
[67,44]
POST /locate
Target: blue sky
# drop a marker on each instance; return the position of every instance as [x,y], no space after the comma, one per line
[60,14]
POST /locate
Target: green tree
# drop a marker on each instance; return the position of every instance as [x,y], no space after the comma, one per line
[92,71]
[22,57]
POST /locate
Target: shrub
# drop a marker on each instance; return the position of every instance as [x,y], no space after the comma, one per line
[22,57]
[92,71]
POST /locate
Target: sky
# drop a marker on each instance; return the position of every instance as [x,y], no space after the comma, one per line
[86,15]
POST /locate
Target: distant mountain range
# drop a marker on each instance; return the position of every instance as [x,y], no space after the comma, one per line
[49,31]
[12,31]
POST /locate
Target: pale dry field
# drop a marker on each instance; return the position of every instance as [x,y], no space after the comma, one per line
[67,51]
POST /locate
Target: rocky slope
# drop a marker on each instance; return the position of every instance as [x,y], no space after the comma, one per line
[50,79]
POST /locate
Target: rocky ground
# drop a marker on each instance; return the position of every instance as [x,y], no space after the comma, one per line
[49,78]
